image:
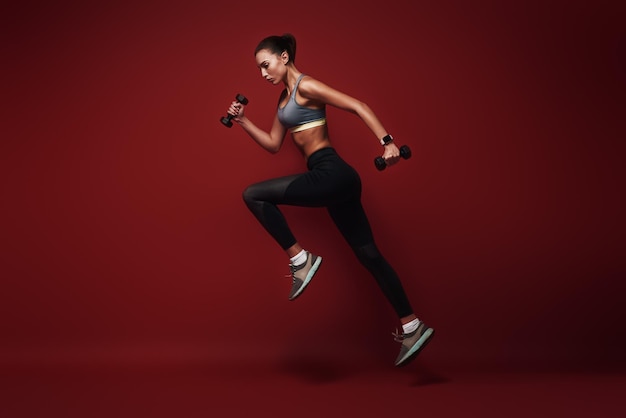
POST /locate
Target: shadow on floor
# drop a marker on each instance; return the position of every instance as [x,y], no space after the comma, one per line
[423,376]
[316,369]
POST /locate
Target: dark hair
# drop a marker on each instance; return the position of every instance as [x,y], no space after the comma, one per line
[277,44]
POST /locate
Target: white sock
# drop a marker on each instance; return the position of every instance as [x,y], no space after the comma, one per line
[299,258]
[411,326]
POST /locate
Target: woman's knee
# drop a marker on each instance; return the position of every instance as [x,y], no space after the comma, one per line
[368,254]
[249,195]
[253,199]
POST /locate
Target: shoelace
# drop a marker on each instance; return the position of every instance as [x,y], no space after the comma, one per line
[398,337]
[293,273]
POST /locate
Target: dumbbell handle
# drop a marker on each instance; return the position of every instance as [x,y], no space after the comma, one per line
[226,120]
[405,152]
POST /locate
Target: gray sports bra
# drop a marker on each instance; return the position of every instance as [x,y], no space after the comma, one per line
[296,117]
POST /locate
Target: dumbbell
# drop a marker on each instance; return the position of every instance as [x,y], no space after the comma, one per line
[379,162]
[226,120]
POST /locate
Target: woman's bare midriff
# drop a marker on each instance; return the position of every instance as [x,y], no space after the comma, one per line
[311,140]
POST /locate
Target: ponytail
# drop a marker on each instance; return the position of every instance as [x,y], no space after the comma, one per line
[277,44]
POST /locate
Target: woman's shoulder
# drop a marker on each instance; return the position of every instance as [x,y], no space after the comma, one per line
[310,84]
[307,79]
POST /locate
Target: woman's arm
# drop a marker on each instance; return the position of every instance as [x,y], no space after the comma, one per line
[271,141]
[317,91]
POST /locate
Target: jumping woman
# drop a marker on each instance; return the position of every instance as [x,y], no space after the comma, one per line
[329,182]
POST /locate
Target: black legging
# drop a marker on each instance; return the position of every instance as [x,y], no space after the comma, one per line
[331,183]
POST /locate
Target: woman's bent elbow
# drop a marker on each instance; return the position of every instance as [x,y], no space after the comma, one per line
[273,148]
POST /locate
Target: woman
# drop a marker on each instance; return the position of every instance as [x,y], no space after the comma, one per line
[330,182]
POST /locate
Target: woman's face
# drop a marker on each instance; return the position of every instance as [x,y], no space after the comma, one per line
[272,66]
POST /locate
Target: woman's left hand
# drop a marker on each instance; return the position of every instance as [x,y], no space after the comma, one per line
[391,154]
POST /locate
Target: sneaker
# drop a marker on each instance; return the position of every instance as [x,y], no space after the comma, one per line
[412,343]
[302,274]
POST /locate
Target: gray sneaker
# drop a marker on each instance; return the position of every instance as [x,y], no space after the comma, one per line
[412,343]
[302,274]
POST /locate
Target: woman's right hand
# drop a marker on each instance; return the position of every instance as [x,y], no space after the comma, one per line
[237,110]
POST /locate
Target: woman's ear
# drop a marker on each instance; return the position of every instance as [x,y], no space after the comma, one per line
[284,57]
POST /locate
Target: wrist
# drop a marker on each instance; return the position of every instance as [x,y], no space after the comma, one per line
[386,140]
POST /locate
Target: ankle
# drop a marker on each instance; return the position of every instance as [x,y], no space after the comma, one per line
[410,326]
[299,258]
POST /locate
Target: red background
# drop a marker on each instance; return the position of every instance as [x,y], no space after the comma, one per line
[124,236]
